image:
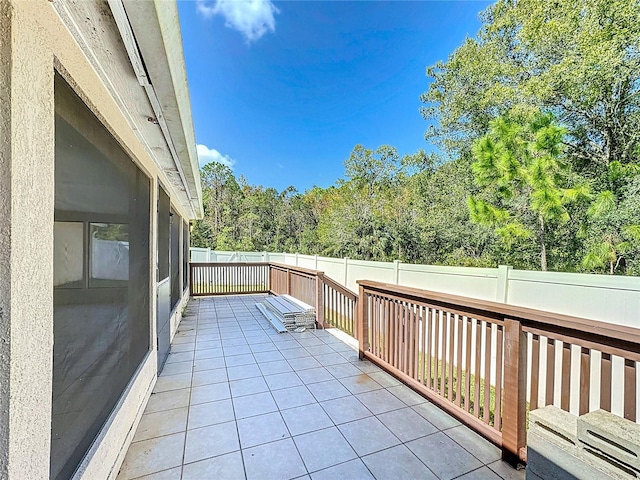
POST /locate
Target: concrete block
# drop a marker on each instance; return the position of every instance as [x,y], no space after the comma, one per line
[546,461]
[611,439]
[556,426]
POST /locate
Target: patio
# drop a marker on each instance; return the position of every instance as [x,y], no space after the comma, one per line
[238,400]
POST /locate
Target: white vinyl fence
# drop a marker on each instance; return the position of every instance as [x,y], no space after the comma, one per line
[612,299]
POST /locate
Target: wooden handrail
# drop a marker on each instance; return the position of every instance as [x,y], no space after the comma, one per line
[228,264]
[292,268]
[341,289]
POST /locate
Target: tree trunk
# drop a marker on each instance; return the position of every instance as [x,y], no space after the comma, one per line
[543,248]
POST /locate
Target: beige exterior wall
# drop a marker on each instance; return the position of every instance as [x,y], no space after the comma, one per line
[34,43]
[5,234]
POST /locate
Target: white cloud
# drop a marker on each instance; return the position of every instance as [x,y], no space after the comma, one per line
[252,18]
[208,155]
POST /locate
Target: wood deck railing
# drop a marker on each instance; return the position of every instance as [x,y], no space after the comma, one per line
[335,305]
[228,278]
[470,357]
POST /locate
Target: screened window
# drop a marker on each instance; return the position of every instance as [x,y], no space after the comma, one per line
[185,256]
[176,226]
[101,278]
[164,232]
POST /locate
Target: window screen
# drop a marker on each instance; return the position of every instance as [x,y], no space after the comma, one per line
[101,278]
[164,232]
[163,326]
[185,256]
[176,291]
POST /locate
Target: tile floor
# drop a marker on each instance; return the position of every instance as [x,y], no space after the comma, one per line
[236,400]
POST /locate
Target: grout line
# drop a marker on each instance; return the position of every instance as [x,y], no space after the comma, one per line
[227,308]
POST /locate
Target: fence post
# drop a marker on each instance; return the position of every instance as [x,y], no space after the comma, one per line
[362,323]
[502,290]
[296,257]
[346,269]
[396,272]
[320,300]
[514,434]
[316,264]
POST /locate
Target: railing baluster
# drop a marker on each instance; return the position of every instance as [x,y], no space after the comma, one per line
[467,367]
[585,379]
[458,378]
[630,390]
[487,372]
[605,382]
[551,371]
[450,356]
[442,364]
[478,356]
[566,377]
[497,422]
[429,346]
[535,368]
[436,354]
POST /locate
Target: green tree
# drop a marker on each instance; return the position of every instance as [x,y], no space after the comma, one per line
[522,162]
[612,229]
[579,59]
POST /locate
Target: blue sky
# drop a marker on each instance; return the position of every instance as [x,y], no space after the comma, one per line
[283,91]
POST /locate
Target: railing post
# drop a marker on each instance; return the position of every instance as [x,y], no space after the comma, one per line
[362,323]
[190,279]
[320,300]
[514,433]
[288,282]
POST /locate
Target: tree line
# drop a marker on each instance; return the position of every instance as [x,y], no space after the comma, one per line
[533,158]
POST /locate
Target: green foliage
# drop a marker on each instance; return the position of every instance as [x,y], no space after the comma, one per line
[522,163]
[578,59]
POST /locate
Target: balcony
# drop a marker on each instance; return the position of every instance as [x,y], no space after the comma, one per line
[400,382]
[238,400]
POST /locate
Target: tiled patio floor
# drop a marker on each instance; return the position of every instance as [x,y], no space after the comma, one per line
[237,400]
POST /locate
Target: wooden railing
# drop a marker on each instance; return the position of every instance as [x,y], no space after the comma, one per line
[228,278]
[300,283]
[340,305]
[335,305]
[470,357]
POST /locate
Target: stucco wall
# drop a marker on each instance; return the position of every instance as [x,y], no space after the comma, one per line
[5,232]
[30,250]
[34,43]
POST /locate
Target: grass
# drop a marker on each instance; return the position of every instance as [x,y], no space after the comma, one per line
[341,322]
